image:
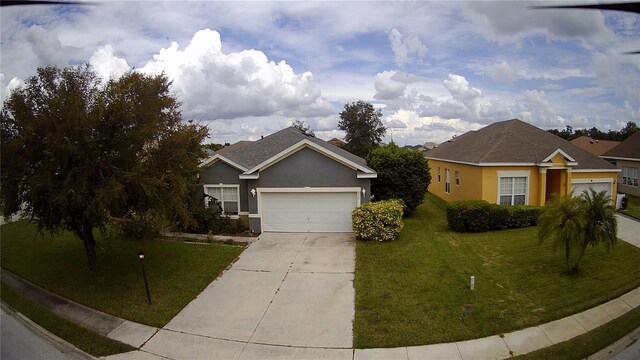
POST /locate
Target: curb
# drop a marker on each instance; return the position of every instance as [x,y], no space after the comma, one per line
[54,340]
[617,347]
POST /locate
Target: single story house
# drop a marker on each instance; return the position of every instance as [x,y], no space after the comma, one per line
[627,157]
[594,146]
[514,163]
[287,182]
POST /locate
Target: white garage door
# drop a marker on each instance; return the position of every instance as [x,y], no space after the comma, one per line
[579,188]
[308,211]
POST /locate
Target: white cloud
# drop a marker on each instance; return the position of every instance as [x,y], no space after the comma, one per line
[15,83]
[249,130]
[47,47]
[226,85]
[106,64]
[394,124]
[392,84]
[633,114]
[537,109]
[502,72]
[403,49]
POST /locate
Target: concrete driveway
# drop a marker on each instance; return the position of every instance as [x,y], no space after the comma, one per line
[629,230]
[287,296]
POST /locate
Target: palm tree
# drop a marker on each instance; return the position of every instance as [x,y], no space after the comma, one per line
[564,222]
[602,225]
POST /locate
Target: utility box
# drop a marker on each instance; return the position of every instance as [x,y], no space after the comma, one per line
[621,202]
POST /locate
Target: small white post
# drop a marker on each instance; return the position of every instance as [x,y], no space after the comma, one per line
[473,282]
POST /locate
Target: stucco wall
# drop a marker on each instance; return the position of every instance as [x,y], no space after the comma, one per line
[471,181]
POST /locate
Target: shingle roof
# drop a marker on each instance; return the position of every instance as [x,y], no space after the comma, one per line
[596,147]
[234,147]
[258,151]
[630,148]
[512,141]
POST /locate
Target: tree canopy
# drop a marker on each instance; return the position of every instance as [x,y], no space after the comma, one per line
[363,126]
[76,153]
[303,128]
[402,174]
[569,133]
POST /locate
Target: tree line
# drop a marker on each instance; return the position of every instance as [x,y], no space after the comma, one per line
[569,133]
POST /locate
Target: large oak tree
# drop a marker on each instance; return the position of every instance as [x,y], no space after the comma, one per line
[363,125]
[76,153]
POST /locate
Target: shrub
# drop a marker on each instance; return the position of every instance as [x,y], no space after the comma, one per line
[381,221]
[480,216]
[137,225]
[469,215]
[499,217]
[210,220]
[522,216]
[402,174]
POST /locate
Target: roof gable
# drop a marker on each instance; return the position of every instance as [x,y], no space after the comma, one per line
[305,143]
[628,149]
[513,142]
[596,147]
[260,154]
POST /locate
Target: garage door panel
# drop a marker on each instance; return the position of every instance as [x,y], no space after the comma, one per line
[308,211]
[579,188]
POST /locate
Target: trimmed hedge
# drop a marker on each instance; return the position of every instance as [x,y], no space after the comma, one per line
[480,216]
[381,221]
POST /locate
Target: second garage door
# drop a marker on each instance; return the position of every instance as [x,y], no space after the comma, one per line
[307,211]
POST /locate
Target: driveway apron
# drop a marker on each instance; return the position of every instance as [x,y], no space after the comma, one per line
[629,230]
[286,291]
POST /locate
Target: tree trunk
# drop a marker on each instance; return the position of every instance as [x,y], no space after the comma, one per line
[86,235]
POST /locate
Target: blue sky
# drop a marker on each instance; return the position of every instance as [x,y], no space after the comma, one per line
[435,68]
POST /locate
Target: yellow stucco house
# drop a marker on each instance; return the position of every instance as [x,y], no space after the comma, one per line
[514,163]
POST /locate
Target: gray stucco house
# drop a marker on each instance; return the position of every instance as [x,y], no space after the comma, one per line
[287,182]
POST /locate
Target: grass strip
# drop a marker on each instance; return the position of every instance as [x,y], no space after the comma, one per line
[86,340]
[588,344]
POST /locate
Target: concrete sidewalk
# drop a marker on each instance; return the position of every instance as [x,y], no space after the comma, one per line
[125,331]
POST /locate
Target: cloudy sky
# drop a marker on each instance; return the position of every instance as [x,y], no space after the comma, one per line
[434,68]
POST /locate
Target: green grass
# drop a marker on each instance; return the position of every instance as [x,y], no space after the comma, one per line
[412,291]
[82,338]
[177,271]
[633,207]
[590,343]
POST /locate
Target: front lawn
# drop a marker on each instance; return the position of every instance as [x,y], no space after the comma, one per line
[412,291]
[633,207]
[177,271]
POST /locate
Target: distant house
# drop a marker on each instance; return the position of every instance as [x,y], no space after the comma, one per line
[596,147]
[430,145]
[515,163]
[287,182]
[420,148]
[627,157]
[337,142]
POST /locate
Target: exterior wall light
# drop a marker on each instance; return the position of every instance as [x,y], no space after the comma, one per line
[364,191]
[253,192]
